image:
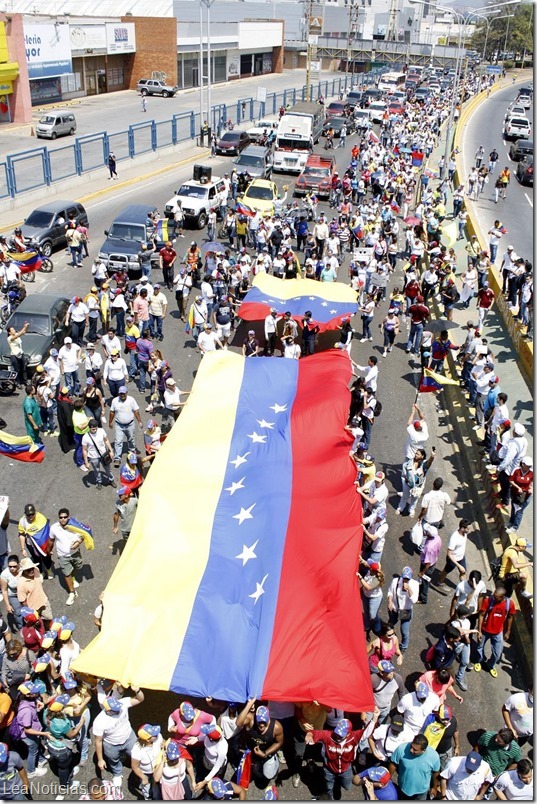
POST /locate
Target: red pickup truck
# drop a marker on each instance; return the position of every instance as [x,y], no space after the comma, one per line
[316,176]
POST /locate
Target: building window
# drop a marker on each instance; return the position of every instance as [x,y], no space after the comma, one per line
[219,68]
[115,77]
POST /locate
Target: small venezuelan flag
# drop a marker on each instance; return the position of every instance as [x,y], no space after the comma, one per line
[21,448]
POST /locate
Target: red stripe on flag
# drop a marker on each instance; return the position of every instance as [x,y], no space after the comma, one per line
[253,311]
[316,653]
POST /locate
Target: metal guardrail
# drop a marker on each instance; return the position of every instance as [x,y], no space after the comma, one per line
[27,170]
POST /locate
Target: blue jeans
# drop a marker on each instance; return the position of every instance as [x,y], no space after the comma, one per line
[122,432]
[155,325]
[47,417]
[366,329]
[517,509]
[367,426]
[15,619]
[493,252]
[344,779]
[33,744]
[114,386]
[496,644]
[120,323]
[113,753]
[393,618]
[143,373]
[414,339]
[146,270]
[83,734]
[462,652]
[133,362]
[72,381]
[371,606]
[76,255]
[79,458]
[98,469]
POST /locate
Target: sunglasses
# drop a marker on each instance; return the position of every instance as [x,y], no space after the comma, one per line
[13,566]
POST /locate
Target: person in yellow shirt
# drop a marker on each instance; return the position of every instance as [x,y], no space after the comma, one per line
[132,333]
[514,566]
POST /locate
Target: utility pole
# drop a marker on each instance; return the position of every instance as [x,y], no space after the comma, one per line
[354,16]
[391,29]
[309,10]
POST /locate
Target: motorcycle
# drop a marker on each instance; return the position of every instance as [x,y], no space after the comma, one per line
[8,382]
[31,260]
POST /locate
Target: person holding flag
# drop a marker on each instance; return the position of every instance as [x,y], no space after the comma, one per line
[68,535]
[35,539]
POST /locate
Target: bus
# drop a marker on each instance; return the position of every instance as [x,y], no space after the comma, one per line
[390,82]
[298,131]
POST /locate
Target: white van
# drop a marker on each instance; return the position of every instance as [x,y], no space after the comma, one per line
[55,124]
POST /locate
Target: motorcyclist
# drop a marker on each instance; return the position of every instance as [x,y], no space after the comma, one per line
[18,241]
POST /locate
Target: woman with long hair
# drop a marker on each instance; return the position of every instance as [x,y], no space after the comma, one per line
[371,585]
[384,646]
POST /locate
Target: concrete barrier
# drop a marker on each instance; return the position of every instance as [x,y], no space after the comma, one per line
[523,347]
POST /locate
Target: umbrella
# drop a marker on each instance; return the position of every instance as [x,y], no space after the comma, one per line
[377,174]
[405,150]
[440,324]
[412,220]
[212,245]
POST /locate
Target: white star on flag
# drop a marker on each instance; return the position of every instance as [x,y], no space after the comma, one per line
[333,312]
[240,459]
[256,438]
[312,298]
[324,304]
[235,486]
[266,425]
[258,590]
[247,553]
[245,513]
[278,408]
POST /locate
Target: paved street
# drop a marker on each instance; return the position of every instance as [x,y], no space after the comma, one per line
[57,482]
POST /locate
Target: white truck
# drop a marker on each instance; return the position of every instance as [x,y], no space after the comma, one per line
[298,131]
[197,198]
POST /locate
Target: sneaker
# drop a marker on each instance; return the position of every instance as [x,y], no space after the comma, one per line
[76,769]
[117,781]
[526,594]
[493,672]
[462,685]
[75,584]
[477,667]
[281,758]
[113,483]
[75,785]
[98,486]
[397,512]
[116,463]
[37,772]
[295,780]
[363,340]
[83,468]
[43,761]
[55,433]
[370,339]
[71,599]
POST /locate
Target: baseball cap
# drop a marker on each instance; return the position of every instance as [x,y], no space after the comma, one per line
[39,369]
[58,623]
[172,750]
[122,389]
[211,731]
[114,351]
[89,346]
[379,774]
[75,299]
[397,723]
[208,325]
[69,682]
[66,631]
[385,666]
[157,286]
[123,490]
[519,429]
[217,788]
[111,704]
[48,640]
[406,573]
[251,332]
[262,715]
[29,615]
[470,325]
[380,476]
[422,690]
[198,298]
[373,565]
[270,793]
[147,731]
[59,702]
[170,381]
[68,340]
[41,663]
[187,711]
[509,248]
[527,461]
[472,761]
[343,727]
[144,279]
[444,712]
[54,352]
[522,543]
[4,753]
[90,381]
[417,425]
[28,688]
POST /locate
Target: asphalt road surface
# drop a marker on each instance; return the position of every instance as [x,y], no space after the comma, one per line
[516,211]
[57,482]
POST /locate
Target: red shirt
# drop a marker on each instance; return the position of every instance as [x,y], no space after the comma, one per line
[418,313]
[338,756]
[523,480]
[168,255]
[496,615]
[486,298]
[412,289]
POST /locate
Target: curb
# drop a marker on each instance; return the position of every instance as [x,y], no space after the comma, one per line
[523,347]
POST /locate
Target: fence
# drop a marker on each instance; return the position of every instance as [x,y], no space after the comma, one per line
[25,171]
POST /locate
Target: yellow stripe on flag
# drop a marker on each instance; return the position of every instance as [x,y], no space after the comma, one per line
[289,288]
[439,377]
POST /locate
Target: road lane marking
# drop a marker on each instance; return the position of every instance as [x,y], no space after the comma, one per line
[530,202]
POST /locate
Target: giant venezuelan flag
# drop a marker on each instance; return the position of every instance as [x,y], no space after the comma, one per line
[329,302]
[249,529]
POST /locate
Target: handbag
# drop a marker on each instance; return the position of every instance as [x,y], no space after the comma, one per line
[105,459]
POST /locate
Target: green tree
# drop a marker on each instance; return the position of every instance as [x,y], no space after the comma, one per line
[519,31]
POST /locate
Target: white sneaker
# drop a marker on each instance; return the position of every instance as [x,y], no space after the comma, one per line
[71,599]
[83,468]
[117,781]
[75,785]
[75,583]
[75,771]
[37,772]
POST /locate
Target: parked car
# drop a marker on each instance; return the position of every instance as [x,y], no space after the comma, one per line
[55,124]
[150,86]
[261,128]
[524,170]
[46,224]
[515,110]
[232,142]
[396,108]
[521,149]
[256,160]
[517,128]
[377,110]
[525,97]
[354,97]
[337,109]
[370,95]
[45,314]
[316,176]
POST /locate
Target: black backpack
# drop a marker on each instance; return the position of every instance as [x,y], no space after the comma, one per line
[377,409]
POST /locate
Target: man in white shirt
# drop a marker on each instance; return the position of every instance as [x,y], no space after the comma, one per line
[291,349]
[172,403]
[123,411]
[456,550]
[402,594]
[114,736]
[387,737]
[517,784]
[499,415]
[371,372]
[77,316]
[270,332]
[69,355]
[94,313]
[374,493]
[109,342]
[415,706]
[515,449]
[158,305]
[115,373]
[465,778]
[470,593]
[93,364]
[417,432]
[53,369]
[208,340]
[67,546]
[207,295]
[517,712]
[434,504]
[95,445]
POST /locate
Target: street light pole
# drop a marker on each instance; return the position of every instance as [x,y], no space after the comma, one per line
[200,68]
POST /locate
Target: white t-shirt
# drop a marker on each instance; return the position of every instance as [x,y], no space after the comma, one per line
[462,591]
[435,502]
[114,729]
[78,312]
[109,344]
[68,653]
[94,443]
[172,398]
[147,754]
[520,710]
[207,341]
[513,788]
[414,711]
[463,786]
[11,580]
[386,741]
[228,725]
[292,350]
[457,545]
[214,755]
[379,493]
[379,532]
[52,367]
[63,539]
[69,355]
[416,439]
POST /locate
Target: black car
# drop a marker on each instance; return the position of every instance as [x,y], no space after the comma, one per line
[336,123]
[521,149]
[232,142]
[369,96]
[524,171]
[45,314]
[47,223]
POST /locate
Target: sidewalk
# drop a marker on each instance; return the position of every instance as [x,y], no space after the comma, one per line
[492,522]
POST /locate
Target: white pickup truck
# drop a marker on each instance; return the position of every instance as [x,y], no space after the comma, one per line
[196,199]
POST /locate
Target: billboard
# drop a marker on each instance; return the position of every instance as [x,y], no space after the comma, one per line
[88,37]
[120,37]
[48,49]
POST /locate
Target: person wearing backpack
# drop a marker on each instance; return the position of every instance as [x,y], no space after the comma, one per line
[26,727]
[495,621]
